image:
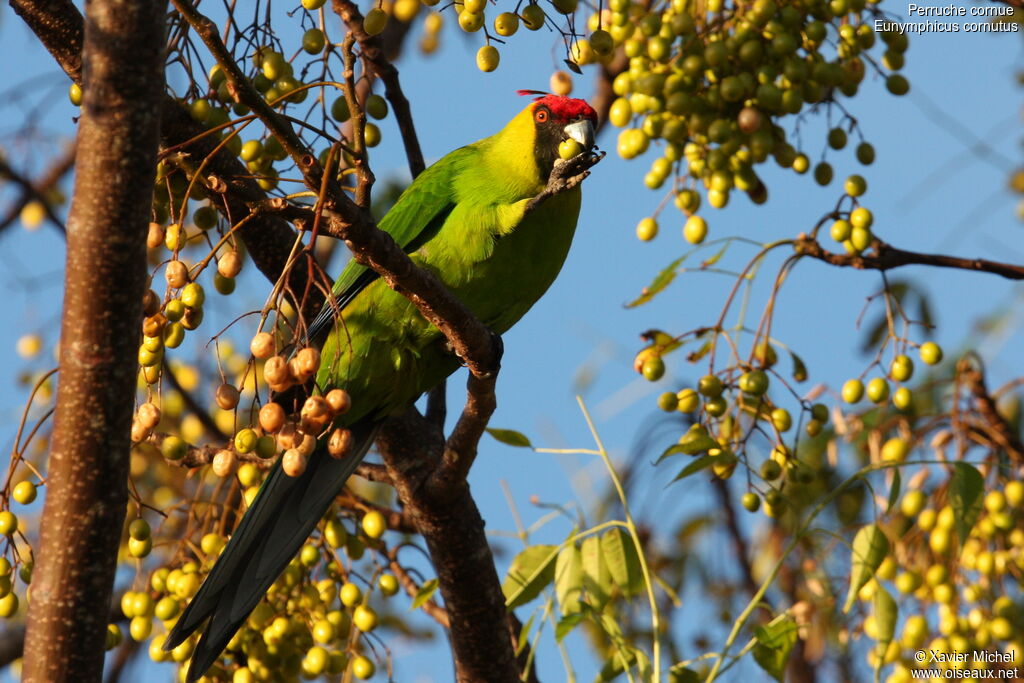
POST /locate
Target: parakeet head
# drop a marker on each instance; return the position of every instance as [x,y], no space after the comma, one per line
[556,119]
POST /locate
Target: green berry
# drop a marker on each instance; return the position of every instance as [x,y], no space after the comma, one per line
[931,353]
[173,448]
[24,492]
[770,470]
[903,399]
[837,138]
[710,386]
[823,173]
[246,440]
[388,584]
[339,110]
[840,230]
[902,368]
[782,420]
[314,41]
[668,401]
[754,382]
[855,185]
[376,107]
[8,523]
[688,401]
[139,529]
[568,149]
[646,229]
[878,390]
[487,59]
[653,369]
[375,21]
[866,153]
[695,229]
[861,218]
[853,391]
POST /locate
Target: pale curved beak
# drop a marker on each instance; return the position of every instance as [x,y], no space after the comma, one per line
[581,131]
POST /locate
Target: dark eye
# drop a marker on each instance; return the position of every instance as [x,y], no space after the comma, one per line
[541,116]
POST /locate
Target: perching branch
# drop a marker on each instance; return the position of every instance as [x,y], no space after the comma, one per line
[886,257]
[470,339]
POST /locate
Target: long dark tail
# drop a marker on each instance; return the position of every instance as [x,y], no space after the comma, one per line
[281,518]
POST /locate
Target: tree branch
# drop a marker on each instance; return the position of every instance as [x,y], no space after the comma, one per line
[972,373]
[454,533]
[604,95]
[59,26]
[886,257]
[461,447]
[36,191]
[374,55]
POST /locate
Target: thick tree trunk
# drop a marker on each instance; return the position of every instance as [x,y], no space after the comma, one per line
[105,278]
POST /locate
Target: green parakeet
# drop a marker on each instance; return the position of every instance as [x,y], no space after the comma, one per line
[464,219]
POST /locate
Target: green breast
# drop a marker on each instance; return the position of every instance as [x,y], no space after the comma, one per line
[385,354]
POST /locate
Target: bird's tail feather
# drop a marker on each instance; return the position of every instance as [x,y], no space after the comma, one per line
[281,518]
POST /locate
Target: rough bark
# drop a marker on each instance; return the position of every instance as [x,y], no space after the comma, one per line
[122,62]
[451,525]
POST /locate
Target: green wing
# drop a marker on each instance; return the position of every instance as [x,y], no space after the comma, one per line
[416,217]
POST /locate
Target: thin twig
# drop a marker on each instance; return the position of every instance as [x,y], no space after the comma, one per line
[38,190]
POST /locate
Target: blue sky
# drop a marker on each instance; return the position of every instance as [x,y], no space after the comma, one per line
[938,185]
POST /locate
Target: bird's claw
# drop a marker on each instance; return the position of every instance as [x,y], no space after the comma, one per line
[567,168]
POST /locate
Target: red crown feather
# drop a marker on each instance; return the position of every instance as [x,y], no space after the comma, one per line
[564,108]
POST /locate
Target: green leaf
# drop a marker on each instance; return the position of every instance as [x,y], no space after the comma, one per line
[697,441]
[643,665]
[886,613]
[531,571]
[870,546]
[510,437]
[894,491]
[703,462]
[674,449]
[712,260]
[615,665]
[966,488]
[596,577]
[524,635]
[569,579]
[623,563]
[662,280]
[774,643]
[682,675]
[695,356]
[566,624]
[799,369]
[424,593]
